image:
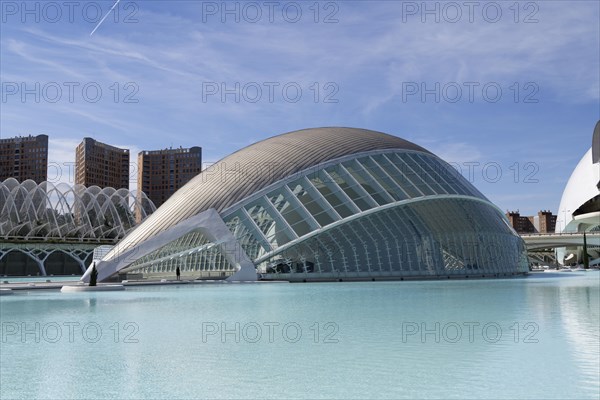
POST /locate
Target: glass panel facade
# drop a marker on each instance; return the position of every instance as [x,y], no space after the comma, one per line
[193,253]
[412,172]
[426,237]
[454,178]
[289,213]
[275,232]
[423,169]
[312,206]
[386,182]
[435,172]
[394,172]
[245,237]
[332,196]
[348,187]
[454,237]
[365,180]
[261,218]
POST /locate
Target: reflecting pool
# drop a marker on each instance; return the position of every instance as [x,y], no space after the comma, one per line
[534,337]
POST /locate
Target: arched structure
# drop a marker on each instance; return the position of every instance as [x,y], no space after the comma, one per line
[579,209]
[324,204]
[46,211]
[43,258]
[53,229]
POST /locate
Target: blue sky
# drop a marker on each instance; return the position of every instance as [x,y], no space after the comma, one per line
[390,66]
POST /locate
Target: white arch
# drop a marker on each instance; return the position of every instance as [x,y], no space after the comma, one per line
[63,211]
[208,222]
[32,256]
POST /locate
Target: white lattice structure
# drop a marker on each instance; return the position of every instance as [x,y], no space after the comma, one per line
[31,210]
[42,224]
[324,204]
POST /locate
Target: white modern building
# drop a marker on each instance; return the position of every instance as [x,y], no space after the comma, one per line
[579,209]
[323,204]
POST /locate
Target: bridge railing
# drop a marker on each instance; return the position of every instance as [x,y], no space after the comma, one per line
[592,234]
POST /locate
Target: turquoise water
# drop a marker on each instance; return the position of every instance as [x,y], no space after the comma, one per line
[535,337]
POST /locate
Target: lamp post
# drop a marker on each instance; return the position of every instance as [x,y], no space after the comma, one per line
[565,219]
[564,229]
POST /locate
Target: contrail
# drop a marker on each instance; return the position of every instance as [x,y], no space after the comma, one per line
[102,20]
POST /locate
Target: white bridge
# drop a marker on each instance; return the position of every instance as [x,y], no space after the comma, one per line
[536,241]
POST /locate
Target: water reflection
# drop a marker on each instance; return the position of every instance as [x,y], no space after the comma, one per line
[370,359]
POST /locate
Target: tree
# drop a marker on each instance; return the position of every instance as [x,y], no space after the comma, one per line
[586,258]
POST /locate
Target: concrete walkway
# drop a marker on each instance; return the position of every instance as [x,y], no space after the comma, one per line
[57,285]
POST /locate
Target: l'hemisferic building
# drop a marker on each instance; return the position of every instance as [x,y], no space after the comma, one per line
[323,204]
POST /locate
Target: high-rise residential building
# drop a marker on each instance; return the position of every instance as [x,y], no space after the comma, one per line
[544,222]
[101,165]
[519,223]
[162,172]
[24,157]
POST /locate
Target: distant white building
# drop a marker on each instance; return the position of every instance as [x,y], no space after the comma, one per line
[579,209]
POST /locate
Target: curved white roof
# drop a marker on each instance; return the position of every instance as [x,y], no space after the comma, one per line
[580,188]
[255,167]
